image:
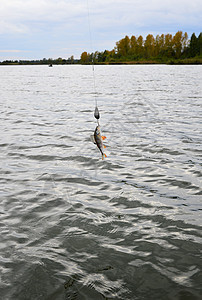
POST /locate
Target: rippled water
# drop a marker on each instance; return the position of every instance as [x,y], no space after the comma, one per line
[76,227]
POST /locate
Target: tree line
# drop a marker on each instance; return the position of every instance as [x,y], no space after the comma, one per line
[160,48]
[44,61]
[163,48]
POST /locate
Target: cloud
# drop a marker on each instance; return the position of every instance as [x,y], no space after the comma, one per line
[7,27]
[12,51]
[141,13]
[24,13]
[21,14]
[42,25]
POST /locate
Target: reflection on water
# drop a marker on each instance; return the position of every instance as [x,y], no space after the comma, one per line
[76,227]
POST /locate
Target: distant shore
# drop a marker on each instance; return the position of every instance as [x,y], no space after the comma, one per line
[187,61]
[191,61]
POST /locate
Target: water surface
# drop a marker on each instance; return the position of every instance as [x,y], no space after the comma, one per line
[76,227]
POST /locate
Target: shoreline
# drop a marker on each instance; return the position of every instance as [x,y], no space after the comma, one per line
[186,61]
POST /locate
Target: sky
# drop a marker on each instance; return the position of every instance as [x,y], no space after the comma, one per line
[37,29]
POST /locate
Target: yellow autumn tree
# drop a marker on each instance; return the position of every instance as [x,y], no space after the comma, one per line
[184,41]
[149,46]
[140,48]
[177,44]
[133,45]
[123,46]
[168,46]
[85,57]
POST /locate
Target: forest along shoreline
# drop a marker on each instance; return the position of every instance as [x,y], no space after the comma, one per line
[162,49]
[192,61]
[175,49]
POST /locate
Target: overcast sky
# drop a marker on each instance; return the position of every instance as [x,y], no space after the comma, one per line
[34,29]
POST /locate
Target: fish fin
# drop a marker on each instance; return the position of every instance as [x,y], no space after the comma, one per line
[103,137]
[104,146]
[103,155]
[92,139]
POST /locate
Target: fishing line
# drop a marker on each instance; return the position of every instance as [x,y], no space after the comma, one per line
[96,138]
[96,112]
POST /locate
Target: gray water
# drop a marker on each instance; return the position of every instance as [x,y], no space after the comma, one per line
[76,227]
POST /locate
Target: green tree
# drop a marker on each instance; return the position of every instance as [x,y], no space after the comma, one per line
[59,61]
[100,57]
[157,45]
[111,55]
[105,55]
[193,45]
[200,44]
[162,44]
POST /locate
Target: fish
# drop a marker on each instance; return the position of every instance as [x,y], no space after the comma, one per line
[97,140]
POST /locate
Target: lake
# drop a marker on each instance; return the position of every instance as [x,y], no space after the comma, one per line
[76,227]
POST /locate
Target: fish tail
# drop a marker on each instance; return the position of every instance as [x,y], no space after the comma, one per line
[103,155]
